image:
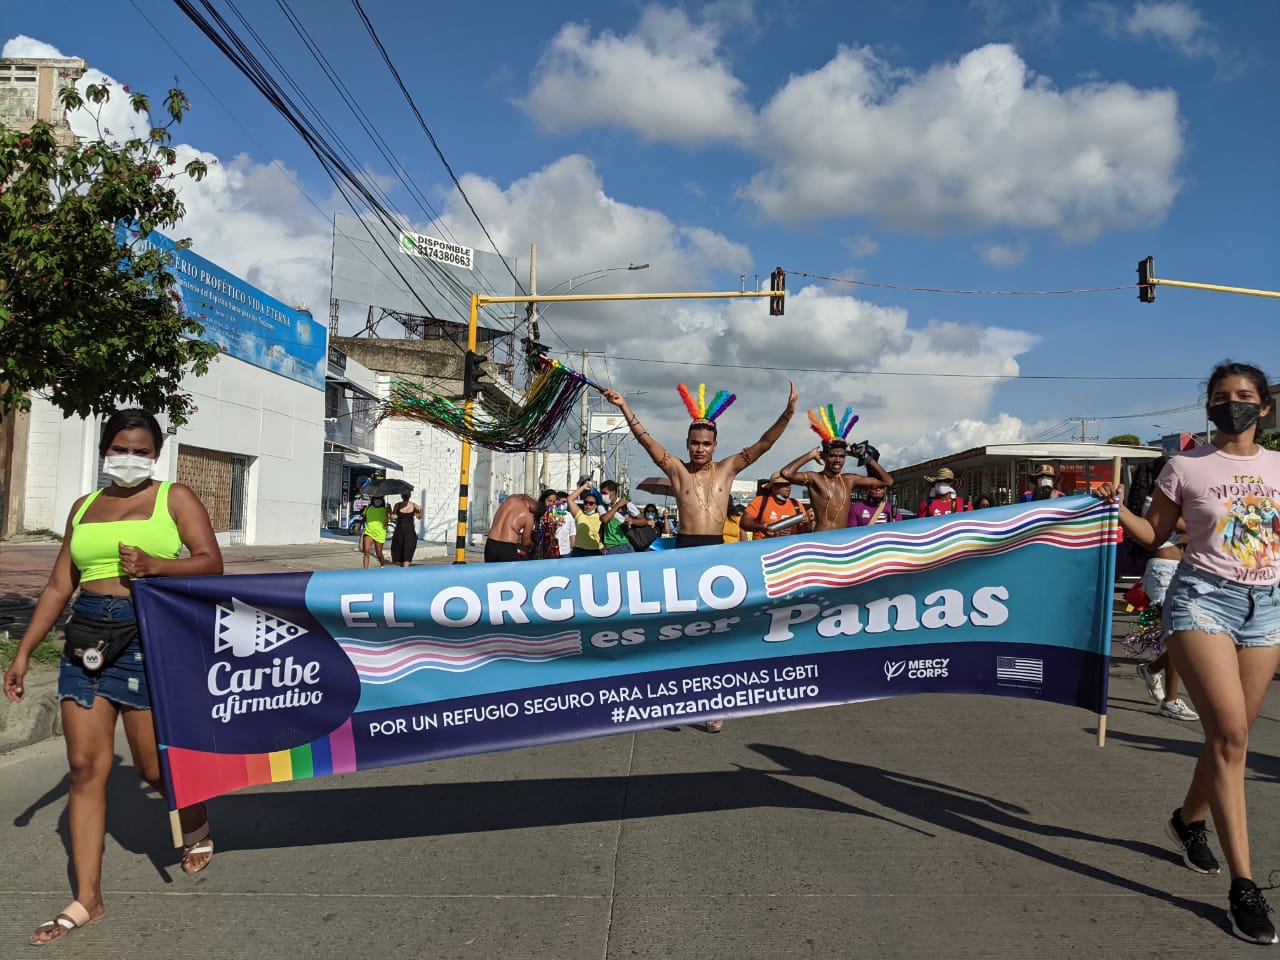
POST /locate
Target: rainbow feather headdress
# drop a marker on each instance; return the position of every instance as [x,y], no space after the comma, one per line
[701,411]
[833,432]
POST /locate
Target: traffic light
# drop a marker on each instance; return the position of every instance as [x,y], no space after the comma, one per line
[1147,274]
[777,283]
[474,374]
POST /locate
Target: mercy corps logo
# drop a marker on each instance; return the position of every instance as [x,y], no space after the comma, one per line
[916,669]
[244,688]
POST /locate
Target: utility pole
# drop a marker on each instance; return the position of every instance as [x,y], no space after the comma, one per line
[530,457]
[585,435]
[1084,422]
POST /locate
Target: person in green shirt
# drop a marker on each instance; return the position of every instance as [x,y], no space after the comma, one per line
[614,533]
[375,530]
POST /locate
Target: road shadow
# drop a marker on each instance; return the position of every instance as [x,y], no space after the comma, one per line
[137,818]
[955,810]
[1261,767]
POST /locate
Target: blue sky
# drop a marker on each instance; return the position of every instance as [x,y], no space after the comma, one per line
[978,146]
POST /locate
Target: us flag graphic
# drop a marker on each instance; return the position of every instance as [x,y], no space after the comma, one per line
[1018,668]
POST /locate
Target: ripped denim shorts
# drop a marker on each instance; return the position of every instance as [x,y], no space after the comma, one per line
[124,682]
[1196,600]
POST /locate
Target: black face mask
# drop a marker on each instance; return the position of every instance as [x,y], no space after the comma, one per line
[1234,417]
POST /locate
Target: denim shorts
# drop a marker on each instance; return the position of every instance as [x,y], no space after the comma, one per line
[124,682]
[1156,577]
[1197,600]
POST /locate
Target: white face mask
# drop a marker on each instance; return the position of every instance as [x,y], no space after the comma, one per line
[943,490]
[128,470]
[1045,481]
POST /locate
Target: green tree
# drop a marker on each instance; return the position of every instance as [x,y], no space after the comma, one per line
[87,321]
[1270,440]
[1128,438]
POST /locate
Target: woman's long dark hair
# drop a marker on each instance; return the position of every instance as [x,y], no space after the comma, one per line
[541,507]
[130,420]
[1143,483]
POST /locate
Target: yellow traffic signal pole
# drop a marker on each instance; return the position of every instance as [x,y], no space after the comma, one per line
[480,300]
[1160,281]
[1148,281]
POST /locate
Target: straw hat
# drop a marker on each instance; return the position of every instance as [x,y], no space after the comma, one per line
[946,474]
[778,479]
[1044,470]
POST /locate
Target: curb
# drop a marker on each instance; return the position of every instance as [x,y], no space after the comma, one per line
[35,717]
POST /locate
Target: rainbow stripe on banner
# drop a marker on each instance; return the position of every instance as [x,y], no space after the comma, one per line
[211,774]
[901,548]
[380,662]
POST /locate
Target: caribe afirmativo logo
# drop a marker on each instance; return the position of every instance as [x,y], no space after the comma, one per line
[272,683]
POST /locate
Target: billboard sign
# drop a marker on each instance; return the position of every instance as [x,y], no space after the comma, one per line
[442,251]
[242,320]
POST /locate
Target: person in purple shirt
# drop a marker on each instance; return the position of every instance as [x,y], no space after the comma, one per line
[874,509]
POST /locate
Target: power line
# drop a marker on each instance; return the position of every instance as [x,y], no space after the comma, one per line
[982,293]
[898,373]
[373,34]
[231,113]
[330,156]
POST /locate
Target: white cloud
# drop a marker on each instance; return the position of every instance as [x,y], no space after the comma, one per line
[664,80]
[730,344]
[975,144]
[1003,254]
[23,47]
[861,246]
[978,143]
[1176,23]
[964,435]
[581,229]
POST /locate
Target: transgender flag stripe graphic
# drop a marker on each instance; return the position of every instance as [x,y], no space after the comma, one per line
[388,662]
[904,548]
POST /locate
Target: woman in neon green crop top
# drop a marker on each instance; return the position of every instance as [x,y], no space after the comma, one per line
[136,527]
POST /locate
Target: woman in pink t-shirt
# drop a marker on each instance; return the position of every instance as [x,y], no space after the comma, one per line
[1222,614]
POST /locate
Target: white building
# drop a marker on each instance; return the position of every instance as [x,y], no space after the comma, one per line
[252,451]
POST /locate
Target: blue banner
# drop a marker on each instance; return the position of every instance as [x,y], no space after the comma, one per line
[242,320]
[264,678]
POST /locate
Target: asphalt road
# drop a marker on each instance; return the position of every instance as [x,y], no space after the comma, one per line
[947,826]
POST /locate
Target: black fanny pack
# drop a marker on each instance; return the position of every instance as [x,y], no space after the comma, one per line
[97,644]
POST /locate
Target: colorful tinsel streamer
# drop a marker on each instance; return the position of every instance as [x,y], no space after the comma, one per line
[699,409]
[532,425]
[823,422]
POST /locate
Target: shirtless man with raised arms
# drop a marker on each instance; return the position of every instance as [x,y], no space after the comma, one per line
[830,490]
[701,486]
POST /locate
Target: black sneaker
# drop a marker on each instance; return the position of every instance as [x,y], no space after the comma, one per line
[1248,909]
[1193,839]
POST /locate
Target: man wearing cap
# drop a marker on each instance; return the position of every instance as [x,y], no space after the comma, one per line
[1044,484]
[773,506]
[943,498]
[830,490]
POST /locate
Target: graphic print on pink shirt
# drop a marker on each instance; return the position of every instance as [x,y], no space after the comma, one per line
[1230,505]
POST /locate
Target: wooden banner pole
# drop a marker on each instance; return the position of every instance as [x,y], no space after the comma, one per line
[1102,717]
